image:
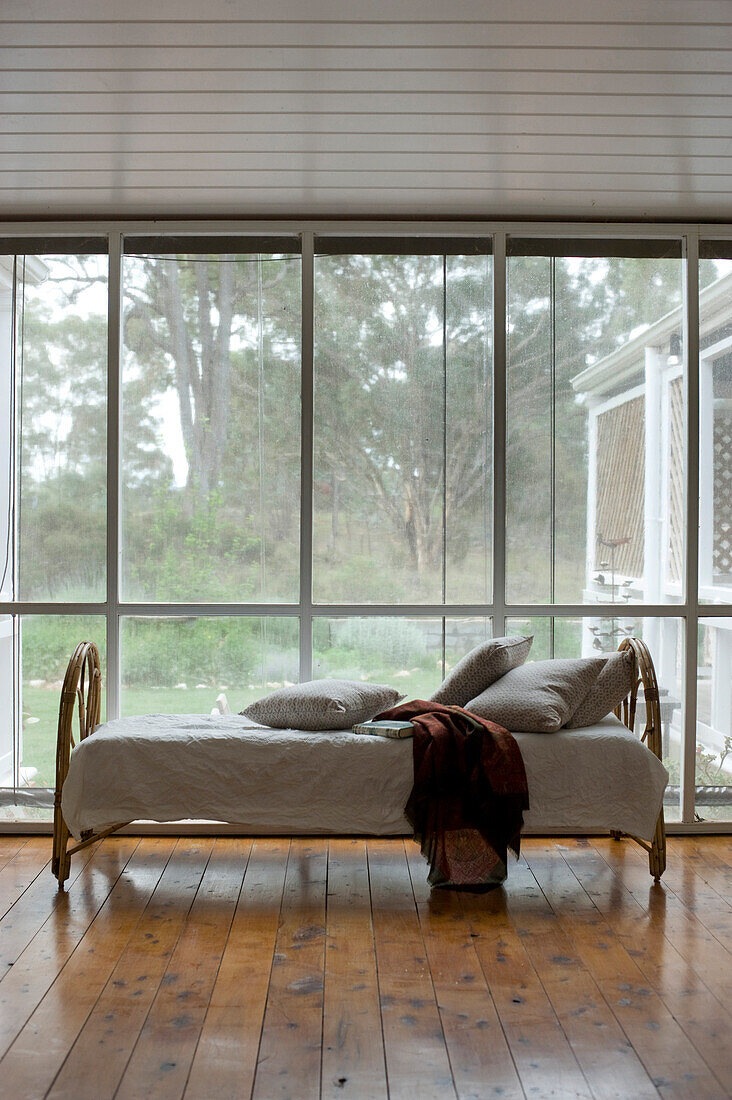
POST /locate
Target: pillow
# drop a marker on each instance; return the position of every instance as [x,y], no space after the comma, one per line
[481,667]
[609,689]
[540,697]
[322,705]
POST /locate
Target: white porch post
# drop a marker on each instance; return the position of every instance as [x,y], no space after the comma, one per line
[721,708]
[654,557]
[6,338]
[7,718]
[588,638]
[706,472]
[653,509]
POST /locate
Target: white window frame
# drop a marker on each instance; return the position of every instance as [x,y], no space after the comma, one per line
[688,610]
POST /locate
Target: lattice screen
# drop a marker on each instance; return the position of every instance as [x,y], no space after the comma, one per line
[722,551]
[621,441]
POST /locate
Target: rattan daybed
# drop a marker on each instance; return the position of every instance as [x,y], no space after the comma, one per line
[225,768]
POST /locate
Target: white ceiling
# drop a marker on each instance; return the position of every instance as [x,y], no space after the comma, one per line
[571,108]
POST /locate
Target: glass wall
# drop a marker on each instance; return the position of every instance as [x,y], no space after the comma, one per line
[595,419]
[210,440]
[402,486]
[184,665]
[232,564]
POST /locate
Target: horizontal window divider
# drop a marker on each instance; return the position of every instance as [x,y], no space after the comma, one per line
[186,610]
[30,607]
[537,611]
[588,611]
[546,611]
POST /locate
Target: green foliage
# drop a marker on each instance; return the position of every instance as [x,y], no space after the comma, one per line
[396,643]
[709,770]
[49,640]
[165,652]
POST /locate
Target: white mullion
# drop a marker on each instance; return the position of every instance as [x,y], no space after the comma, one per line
[114,411]
[306,461]
[500,323]
[691,343]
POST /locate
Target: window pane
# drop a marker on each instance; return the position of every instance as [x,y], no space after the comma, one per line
[462,635]
[714,721]
[589,636]
[182,666]
[403,379]
[211,428]
[404,653]
[595,448]
[61,424]
[715,423]
[469,425]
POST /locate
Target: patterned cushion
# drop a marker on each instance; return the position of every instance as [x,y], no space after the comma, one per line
[539,697]
[481,667]
[609,689]
[322,705]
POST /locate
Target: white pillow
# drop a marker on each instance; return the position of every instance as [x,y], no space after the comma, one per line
[481,667]
[322,705]
[540,697]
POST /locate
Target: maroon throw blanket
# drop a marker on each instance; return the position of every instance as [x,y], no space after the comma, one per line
[469,793]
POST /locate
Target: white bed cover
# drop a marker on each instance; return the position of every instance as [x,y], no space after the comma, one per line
[177,767]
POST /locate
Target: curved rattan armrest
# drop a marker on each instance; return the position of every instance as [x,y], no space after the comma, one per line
[81,694]
[645,676]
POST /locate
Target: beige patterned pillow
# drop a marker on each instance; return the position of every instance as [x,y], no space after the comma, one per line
[481,667]
[539,697]
[322,705]
[609,689]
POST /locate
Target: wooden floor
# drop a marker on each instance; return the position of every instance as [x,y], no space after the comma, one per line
[324,968]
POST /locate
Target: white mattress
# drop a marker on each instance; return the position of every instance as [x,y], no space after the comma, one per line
[178,767]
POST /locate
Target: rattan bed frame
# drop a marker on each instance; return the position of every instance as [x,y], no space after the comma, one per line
[82,692]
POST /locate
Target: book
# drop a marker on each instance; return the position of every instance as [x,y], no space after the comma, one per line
[385,728]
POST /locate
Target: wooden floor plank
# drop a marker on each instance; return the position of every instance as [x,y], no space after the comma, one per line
[225,1060]
[687,936]
[99,1056]
[42,1046]
[544,1059]
[480,1058]
[610,1065]
[659,1010]
[20,871]
[161,1060]
[710,861]
[353,1052]
[684,881]
[417,1063]
[289,1061]
[48,943]
[328,968]
[42,896]
[9,847]
[676,1066]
